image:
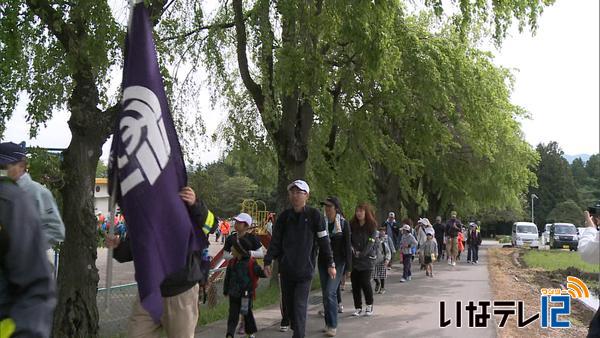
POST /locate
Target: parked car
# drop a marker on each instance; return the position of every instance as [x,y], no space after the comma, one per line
[564,235]
[545,240]
[525,234]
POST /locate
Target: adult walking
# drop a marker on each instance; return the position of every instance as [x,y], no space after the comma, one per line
[440,230]
[453,227]
[339,236]
[364,231]
[13,159]
[393,234]
[473,243]
[293,244]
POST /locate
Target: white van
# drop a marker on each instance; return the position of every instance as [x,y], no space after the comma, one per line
[525,234]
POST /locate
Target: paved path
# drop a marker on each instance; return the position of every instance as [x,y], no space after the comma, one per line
[406,310]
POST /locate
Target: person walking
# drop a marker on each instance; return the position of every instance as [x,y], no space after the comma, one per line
[224,229]
[295,234]
[429,251]
[473,243]
[453,228]
[407,244]
[383,254]
[27,287]
[439,231]
[393,234]
[341,247]
[363,229]
[241,277]
[13,159]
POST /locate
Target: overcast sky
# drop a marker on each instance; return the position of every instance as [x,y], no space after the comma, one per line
[557,81]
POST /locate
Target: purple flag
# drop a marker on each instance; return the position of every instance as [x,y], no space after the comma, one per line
[146,165]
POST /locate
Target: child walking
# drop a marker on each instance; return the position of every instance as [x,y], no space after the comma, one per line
[429,252]
[241,278]
[384,254]
[408,243]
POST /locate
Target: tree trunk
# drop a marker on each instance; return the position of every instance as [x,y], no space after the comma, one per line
[291,143]
[76,313]
[387,191]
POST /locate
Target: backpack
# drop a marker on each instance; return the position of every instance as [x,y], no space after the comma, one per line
[379,251]
[233,271]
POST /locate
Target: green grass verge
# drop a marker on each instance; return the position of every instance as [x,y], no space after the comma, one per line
[264,297]
[556,260]
[504,239]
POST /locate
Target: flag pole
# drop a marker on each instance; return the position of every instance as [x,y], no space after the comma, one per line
[109,255]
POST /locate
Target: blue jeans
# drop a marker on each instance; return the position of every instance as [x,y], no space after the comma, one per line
[473,254]
[406,261]
[329,289]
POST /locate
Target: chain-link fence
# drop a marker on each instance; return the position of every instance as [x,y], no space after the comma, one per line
[115,313]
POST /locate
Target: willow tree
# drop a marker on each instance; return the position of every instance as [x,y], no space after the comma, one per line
[60,53]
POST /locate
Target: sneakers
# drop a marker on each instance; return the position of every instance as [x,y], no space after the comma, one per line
[469,261]
[251,336]
[377,287]
[476,262]
[426,273]
[449,262]
[402,280]
[340,308]
[331,332]
[453,263]
[357,313]
[321,313]
[382,291]
[409,277]
[369,311]
[284,328]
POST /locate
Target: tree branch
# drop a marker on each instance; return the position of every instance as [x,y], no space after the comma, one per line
[53,21]
[254,89]
[224,25]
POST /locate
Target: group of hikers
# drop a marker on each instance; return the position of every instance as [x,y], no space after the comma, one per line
[305,240]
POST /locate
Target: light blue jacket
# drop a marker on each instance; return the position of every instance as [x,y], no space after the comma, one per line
[53,227]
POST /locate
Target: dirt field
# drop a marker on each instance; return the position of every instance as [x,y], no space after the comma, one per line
[510,280]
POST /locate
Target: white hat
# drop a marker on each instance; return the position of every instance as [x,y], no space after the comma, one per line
[392,214]
[244,217]
[429,231]
[300,184]
[424,221]
[406,227]
[473,224]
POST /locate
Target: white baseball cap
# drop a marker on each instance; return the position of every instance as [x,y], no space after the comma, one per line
[391,214]
[244,218]
[300,184]
[406,227]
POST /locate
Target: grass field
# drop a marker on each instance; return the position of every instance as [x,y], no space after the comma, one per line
[557,259]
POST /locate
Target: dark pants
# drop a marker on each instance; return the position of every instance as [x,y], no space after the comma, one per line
[406,261]
[285,316]
[594,330]
[380,282]
[361,281]
[295,302]
[339,294]
[235,304]
[473,254]
[440,246]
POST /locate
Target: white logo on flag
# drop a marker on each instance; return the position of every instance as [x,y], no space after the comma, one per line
[151,152]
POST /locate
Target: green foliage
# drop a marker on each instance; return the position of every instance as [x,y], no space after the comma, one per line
[34,59]
[557,260]
[221,188]
[44,167]
[101,170]
[555,181]
[566,212]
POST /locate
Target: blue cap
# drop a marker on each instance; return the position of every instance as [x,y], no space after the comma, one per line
[11,153]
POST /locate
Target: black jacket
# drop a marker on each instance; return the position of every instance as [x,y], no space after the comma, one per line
[363,250]
[440,231]
[194,271]
[293,243]
[341,246]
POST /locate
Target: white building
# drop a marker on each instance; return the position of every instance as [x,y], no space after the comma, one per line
[101,196]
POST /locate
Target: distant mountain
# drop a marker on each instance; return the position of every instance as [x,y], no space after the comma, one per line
[570,158]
